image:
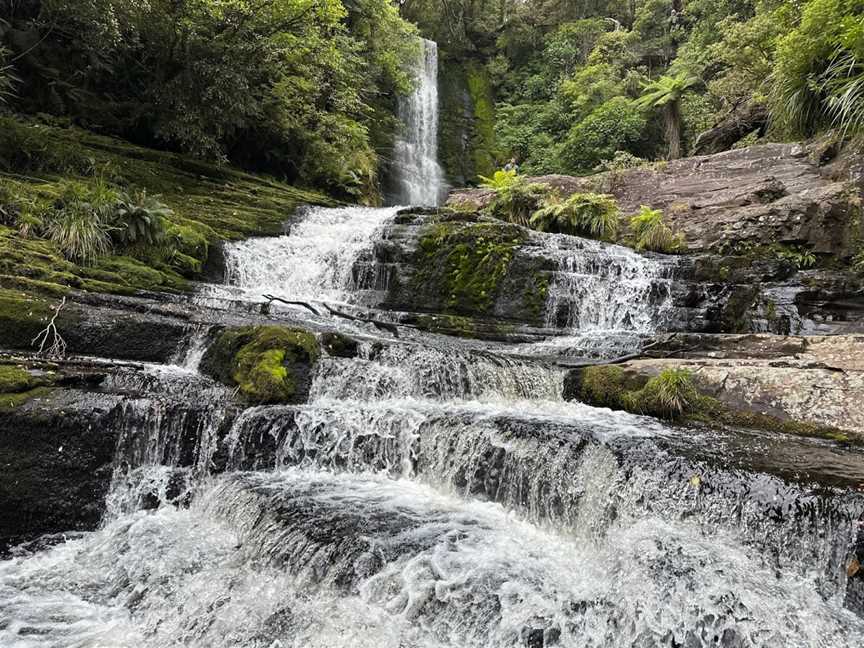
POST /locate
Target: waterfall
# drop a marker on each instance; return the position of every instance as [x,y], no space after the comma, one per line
[419,178]
[437,492]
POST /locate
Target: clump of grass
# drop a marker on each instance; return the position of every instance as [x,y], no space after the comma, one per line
[651,233]
[585,214]
[669,395]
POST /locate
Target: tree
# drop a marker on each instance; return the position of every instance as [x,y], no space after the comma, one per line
[666,93]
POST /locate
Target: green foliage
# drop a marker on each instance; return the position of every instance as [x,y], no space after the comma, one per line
[294,87]
[666,93]
[819,69]
[139,220]
[800,257]
[516,202]
[621,161]
[614,126]
[651,233]
[669,395]
[501,179]
[79,224]
[582,214]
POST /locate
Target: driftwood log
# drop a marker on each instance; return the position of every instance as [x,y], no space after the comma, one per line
[742,121]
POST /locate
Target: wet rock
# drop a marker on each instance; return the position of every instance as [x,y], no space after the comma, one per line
[56,455]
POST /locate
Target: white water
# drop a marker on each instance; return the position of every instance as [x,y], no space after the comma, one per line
[419,178]
[313,262]
[433,494]
[258,562]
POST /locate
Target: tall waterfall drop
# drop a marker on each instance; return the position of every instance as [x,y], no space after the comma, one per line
[419,178]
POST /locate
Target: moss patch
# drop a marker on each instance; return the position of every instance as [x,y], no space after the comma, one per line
[461,265]
[269,364]
[17,386]
[483,104]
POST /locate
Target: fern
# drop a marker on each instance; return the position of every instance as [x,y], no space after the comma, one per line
[651,233]
[139,220]
[585,214]
[501,179]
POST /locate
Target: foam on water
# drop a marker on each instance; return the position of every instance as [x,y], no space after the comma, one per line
[301,558]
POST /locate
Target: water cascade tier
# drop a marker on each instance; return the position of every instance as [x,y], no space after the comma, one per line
[433,491]
[419,177]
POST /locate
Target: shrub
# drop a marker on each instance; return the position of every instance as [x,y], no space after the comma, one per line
[80,231]
[139,221]
[79,224]
[614,126]
[801,258]
[516,202]
[587,214]
[8,79]
[621,161]
[651,233]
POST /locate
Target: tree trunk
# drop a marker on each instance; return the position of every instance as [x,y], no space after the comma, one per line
[672,115]
[738,124]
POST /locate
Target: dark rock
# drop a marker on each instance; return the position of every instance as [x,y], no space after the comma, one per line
[56,457]
[338,345]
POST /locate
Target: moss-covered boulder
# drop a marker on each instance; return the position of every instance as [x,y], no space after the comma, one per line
[269,364]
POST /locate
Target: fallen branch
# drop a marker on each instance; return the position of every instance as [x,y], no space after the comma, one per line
[385,326]
[619,360]
[265,308]
[57,347]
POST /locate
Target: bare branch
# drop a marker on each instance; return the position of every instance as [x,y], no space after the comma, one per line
[51,343]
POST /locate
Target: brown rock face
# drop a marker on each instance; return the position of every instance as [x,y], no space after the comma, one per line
[772,193]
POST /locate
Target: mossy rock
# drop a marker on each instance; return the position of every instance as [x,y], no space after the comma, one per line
[269,364]
[617,388]
[460,265]
[17,386]
[22,317]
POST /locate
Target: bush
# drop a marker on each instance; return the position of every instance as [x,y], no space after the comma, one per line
[516,202]
[501,179]
[621,161]
[651,233]
[614,126]
[586,214]
[80,231]
[80,222]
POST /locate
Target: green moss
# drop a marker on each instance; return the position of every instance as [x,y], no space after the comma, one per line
[483,105]
[462,264]
[17,386]
[267,363]
[13,401]
[603,386]
[14,379]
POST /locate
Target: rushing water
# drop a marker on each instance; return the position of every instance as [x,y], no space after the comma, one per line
[436,493]
[419,178]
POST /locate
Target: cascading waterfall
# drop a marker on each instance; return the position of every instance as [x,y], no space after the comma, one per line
[419,178]
[438,493]
[314,261]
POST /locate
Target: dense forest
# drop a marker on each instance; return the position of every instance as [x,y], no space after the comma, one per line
[306,89]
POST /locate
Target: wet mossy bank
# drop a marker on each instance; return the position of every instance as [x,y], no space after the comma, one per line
[41,165]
